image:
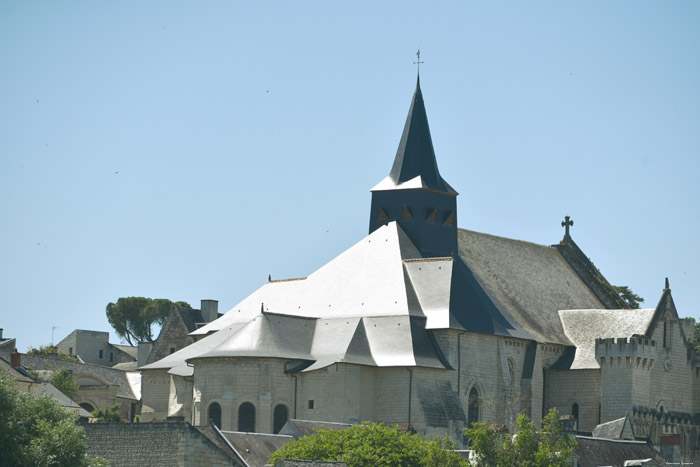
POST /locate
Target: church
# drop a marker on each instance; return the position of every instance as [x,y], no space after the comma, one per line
[431,326]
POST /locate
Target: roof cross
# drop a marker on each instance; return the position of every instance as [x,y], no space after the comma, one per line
[418,62]
[566,223]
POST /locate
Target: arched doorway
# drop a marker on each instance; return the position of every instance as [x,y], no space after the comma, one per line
[246,417]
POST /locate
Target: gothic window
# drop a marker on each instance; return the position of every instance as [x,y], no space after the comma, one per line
[511,373]
[246,417]
[214,414]
[281,415]
[473,407]
[600,411]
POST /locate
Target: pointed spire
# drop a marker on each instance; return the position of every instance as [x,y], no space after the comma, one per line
[415,156]
[667,287]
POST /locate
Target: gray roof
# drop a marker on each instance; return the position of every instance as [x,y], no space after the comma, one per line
[299,428]
[415,165]
[615,429]
[594,452]
[583,327]
[255,448]
[526,283]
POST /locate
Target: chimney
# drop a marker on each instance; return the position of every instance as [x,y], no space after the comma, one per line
[15,359]
[210,310]
[0,334]
[143,352]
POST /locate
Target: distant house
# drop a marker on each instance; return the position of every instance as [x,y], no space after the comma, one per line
[94,347]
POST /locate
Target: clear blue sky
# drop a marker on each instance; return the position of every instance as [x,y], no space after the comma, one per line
[186,150]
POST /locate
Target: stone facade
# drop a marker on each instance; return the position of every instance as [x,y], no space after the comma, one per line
[93,347]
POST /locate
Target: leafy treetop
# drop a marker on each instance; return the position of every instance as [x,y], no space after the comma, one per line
[550,447]
[371,444]
[51,351]
[37,431]
[133,318]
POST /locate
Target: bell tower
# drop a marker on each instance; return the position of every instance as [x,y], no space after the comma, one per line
[414,194]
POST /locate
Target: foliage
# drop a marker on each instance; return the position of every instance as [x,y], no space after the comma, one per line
[133,318]
[550,447]
[37,431]
[371,444]
[696,336]
[50,351]
[62,379]
[109,415]
[632,299]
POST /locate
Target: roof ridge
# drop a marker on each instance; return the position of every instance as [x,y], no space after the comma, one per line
[290,279]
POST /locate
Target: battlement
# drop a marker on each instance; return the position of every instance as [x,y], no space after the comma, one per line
[633,352]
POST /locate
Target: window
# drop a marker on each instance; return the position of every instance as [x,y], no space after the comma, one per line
[473,407]
[281,415]
[311,404]
[70,351]
[172,350]
[574,410]
[101,353]
[111,356]
[214,414]
[87,407]
[246,417]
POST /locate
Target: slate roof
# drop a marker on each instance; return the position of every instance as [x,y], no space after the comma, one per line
[615,429]
[594,452]
[415,166]
[527,284]
[299,428]
[255,448]
[583,327]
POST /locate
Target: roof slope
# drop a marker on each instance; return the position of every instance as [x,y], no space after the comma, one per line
[526,282]
[583,327]
[593,452]
[415,166]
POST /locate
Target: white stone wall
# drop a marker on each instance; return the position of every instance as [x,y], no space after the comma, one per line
[576,386]
[155,395]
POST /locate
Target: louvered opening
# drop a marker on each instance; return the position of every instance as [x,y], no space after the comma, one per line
[406,213]
[433,216]
[381,215]
[450,220]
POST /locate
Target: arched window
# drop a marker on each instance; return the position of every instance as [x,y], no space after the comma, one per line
[87,407]
[574,410]
[600,412]
[281,415]
[246,417]
[473,407]
[214,414]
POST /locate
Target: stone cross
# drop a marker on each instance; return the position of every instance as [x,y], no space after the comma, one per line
[566,223]
[418,62]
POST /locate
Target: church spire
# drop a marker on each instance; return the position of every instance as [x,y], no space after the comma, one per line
[415,156]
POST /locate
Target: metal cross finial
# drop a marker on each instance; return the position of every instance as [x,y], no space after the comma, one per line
[418,62]
[566,224]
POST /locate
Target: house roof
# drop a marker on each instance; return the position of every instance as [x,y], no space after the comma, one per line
[616,429]
[299,428]
[255,448]
[583,327]
[593,452]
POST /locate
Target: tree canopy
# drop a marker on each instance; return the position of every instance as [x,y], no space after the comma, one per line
[632,299]
[371,444]
[133,318]
[37,431]
[550,447]
[51,351]
[108,415]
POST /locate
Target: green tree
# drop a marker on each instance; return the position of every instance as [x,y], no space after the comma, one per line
[550,447]
[371,444]
[109,415]
[133,318]
[37,431]
[632,299]
[62,379]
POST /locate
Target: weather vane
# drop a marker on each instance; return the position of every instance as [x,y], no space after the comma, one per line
[418,62]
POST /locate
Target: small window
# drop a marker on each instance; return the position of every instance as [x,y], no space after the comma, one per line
[111,356]
[70,351]
[473,407]
[101,353]
[172,350]
[311,404]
